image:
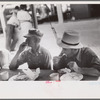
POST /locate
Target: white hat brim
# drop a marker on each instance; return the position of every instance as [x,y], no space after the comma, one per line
[61,44]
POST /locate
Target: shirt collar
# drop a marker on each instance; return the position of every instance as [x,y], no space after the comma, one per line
[38,50]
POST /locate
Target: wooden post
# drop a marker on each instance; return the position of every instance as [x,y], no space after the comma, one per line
[52,9]
[59,12]
[3,20]
[2,17]
[34,17]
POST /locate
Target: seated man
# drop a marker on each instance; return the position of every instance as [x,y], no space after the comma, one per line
[35,56]
[76,57]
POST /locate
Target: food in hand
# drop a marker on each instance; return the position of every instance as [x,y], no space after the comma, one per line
[64,70]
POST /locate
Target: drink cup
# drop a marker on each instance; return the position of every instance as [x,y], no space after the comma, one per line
[4,75]
[54,76]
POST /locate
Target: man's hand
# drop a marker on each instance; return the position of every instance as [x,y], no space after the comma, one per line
[73,66]
[56,60]
[22,46]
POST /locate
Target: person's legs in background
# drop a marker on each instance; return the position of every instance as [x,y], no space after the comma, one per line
[9,32]
[14,40]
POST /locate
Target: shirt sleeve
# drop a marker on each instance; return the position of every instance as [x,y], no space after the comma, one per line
[62,63]
[95,63]
[22,58]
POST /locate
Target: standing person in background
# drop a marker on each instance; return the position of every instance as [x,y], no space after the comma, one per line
[25,22]
[11,35]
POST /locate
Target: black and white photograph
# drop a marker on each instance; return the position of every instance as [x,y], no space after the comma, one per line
[49,42]
[49,50]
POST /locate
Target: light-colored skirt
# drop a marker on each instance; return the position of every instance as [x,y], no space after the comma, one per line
[25,26]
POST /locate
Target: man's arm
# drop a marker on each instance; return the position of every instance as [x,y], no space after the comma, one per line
[85,71]
[59,62]
[89,71]
[93,64]
[14,63]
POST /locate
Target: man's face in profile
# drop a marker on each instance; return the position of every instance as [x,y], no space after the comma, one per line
[69,52]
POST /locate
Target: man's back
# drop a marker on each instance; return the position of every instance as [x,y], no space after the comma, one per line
[87,58]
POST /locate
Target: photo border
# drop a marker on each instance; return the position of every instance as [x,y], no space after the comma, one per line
[97,84]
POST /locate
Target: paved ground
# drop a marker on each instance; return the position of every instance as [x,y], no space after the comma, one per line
[89,29]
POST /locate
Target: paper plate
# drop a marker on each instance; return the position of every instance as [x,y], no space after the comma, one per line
[19,78]
[71,77]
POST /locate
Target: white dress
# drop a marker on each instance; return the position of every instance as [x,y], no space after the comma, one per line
[5,58]
[25,24]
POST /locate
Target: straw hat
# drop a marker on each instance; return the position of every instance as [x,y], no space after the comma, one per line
[70,39]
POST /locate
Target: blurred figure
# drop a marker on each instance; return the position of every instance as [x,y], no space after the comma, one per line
[5,58]
[11,35]
[25,22]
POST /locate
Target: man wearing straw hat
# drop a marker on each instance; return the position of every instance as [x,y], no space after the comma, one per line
[76,57]
[35,56]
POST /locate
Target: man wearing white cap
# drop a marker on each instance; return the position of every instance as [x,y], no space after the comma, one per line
[35,56]
[76,57]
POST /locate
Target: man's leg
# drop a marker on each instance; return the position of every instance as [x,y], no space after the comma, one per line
[8,36]
[14,41]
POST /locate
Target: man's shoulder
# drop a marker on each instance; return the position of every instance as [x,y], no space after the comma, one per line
[88,51]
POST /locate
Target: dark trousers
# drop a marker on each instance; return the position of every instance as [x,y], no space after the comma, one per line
[11,38]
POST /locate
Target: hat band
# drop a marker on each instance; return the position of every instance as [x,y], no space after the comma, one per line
[70,43]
